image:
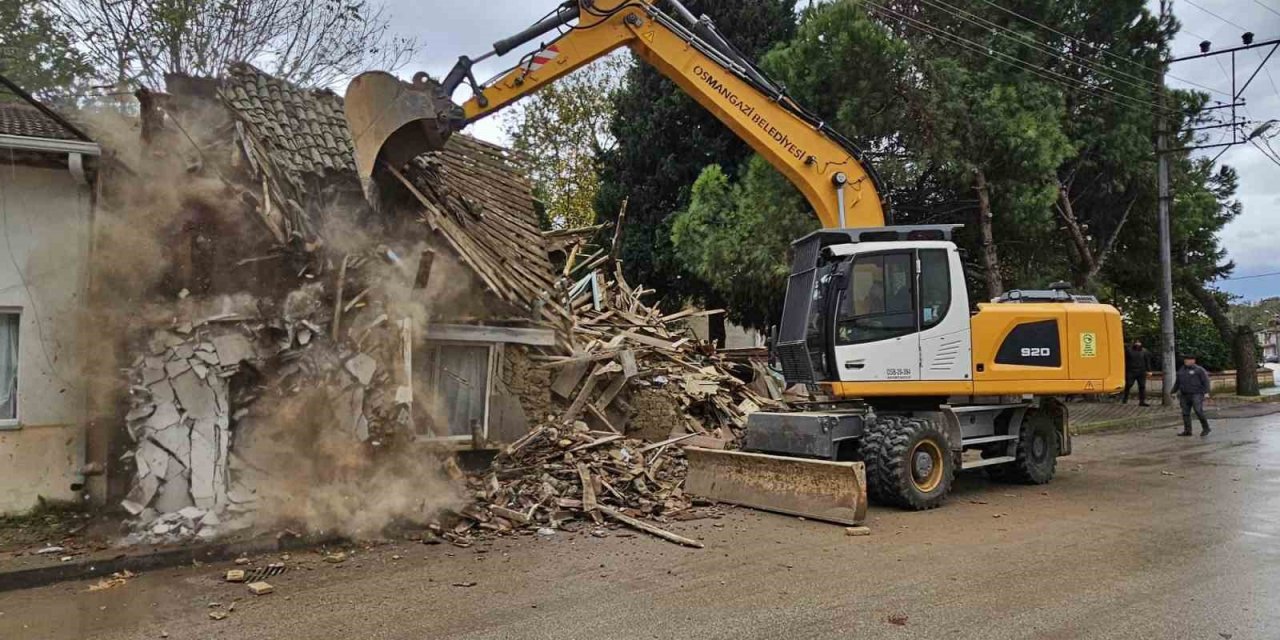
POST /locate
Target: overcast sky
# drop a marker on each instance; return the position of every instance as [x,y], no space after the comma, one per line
[449,28]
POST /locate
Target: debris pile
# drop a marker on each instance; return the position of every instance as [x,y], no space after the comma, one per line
[214,391]
[554,475]
[566,470]
[621,344]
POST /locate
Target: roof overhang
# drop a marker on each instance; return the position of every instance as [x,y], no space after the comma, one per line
[49,145]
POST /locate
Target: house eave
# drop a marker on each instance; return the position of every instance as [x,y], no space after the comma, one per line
[49,145]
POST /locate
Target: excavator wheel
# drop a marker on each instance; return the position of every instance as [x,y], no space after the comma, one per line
[1036,455]
[909,462]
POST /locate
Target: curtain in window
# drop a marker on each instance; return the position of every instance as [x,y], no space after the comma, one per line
[8,366]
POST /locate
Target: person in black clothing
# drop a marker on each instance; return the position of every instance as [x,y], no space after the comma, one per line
[1135,372]
[1192,383]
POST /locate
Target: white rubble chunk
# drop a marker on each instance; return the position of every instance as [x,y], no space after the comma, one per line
[175,368]
[362,367]
[233,348]
[196,397]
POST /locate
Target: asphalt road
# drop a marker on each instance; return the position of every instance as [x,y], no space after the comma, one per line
[1142,535]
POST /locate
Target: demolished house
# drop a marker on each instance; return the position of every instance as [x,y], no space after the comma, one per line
[307,358]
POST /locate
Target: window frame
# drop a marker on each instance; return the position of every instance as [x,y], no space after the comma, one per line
[14,423]
[844,304]
[946,261]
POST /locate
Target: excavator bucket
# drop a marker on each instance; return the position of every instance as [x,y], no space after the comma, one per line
[393,121]
[818,489]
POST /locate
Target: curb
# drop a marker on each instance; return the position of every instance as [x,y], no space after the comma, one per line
[1164,421]
[163,559]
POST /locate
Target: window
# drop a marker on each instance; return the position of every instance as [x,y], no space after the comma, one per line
[458,378]
[935,287]
[9,366]
[881,299]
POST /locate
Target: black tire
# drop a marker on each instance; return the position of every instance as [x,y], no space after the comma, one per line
[1036,453]
[897,474]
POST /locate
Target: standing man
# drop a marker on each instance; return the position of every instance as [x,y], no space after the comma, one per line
[1192,383]
[1135,372]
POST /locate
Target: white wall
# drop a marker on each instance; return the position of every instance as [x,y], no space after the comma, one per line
[45,221]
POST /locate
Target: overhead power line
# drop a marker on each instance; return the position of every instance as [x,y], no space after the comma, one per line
[1259,275]
[1101,50]
[1137,82]
[1061,80]
[1242,29]
[1260,4]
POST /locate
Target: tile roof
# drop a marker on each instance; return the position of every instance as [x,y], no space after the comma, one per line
[471,192]
[18,119]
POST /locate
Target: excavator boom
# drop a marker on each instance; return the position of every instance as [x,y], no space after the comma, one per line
[391,121]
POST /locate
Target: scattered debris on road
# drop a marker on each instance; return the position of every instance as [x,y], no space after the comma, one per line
[857,531]
[117,579]
[260,588]
[236,575]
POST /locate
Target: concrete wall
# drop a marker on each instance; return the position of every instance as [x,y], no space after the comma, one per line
[45,224]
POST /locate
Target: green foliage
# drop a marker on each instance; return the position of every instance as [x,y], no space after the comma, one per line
[732,235]
[1194,332]
[665,140]
[36,52]
[561,131]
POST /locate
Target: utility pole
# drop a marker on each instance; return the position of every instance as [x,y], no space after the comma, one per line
[1167,337]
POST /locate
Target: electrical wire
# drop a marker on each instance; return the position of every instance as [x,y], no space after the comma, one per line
[1258,275]
[1102,50]
[1015,61]
[1260,4]
[1001,30]
[1190,2]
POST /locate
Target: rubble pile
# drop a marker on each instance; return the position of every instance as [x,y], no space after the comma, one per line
[566,470]
[557,474]
[221,373]
[623,345]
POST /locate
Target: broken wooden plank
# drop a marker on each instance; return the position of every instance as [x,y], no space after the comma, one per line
[569,377]
[610,392]
[424,269]
[666,442]
[588,489]
[584,395]
[648,341]
[486,333]
[648,528]
[596,443]
[627,358]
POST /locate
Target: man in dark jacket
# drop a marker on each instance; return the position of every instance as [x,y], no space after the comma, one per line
[1135,372]
[1192,383]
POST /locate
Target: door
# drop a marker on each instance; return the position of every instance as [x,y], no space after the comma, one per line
[877,336]
[946,350]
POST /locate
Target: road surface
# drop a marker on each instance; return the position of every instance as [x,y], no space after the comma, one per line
[1142,535]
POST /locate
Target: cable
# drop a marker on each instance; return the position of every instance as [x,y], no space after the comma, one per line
[1242,29]
[1100,49]
[1260,4]
[1146,84]
[1260,275]
[1017,62]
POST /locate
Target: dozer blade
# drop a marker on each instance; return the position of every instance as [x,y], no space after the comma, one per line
[819,489]
[395,121]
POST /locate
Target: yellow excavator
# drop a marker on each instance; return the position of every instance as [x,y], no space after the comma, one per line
[912,384]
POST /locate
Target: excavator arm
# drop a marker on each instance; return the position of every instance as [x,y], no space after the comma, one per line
[392,121]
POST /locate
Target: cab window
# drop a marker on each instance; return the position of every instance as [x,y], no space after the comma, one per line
[880,301]
[935,287]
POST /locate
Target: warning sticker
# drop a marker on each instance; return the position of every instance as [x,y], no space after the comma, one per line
[1088,345]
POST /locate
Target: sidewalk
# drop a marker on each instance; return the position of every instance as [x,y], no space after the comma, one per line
[1088,417]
